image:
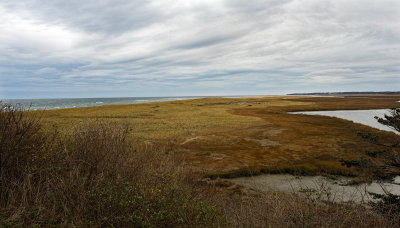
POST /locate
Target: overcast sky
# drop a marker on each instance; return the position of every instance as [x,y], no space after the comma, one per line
[119,48]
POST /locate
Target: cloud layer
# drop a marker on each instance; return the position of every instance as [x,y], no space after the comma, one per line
[199,47]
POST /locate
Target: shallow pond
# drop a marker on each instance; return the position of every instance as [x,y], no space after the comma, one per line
[325,188]
[365,117]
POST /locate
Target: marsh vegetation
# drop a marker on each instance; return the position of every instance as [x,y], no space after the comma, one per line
[144,165]
[226,136]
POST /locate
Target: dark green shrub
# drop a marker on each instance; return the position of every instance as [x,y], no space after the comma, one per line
[392,120]
[368,136]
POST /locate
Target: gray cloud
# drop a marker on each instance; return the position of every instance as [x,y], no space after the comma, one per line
[110,17]
[209,47]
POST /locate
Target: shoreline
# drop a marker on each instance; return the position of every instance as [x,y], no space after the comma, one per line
[365,117]
[90,102]
[338,189]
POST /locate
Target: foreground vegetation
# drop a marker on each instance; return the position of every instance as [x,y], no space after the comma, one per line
[91,176]
[94,174]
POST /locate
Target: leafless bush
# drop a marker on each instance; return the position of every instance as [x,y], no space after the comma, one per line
[92,175]
[283,210]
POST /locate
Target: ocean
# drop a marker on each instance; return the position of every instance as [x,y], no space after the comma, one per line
[45,104]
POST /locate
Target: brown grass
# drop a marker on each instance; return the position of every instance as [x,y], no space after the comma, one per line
[93,175]
[283,210]
[223,135]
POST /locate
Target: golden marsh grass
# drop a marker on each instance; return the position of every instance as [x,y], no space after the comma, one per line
[239,135]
